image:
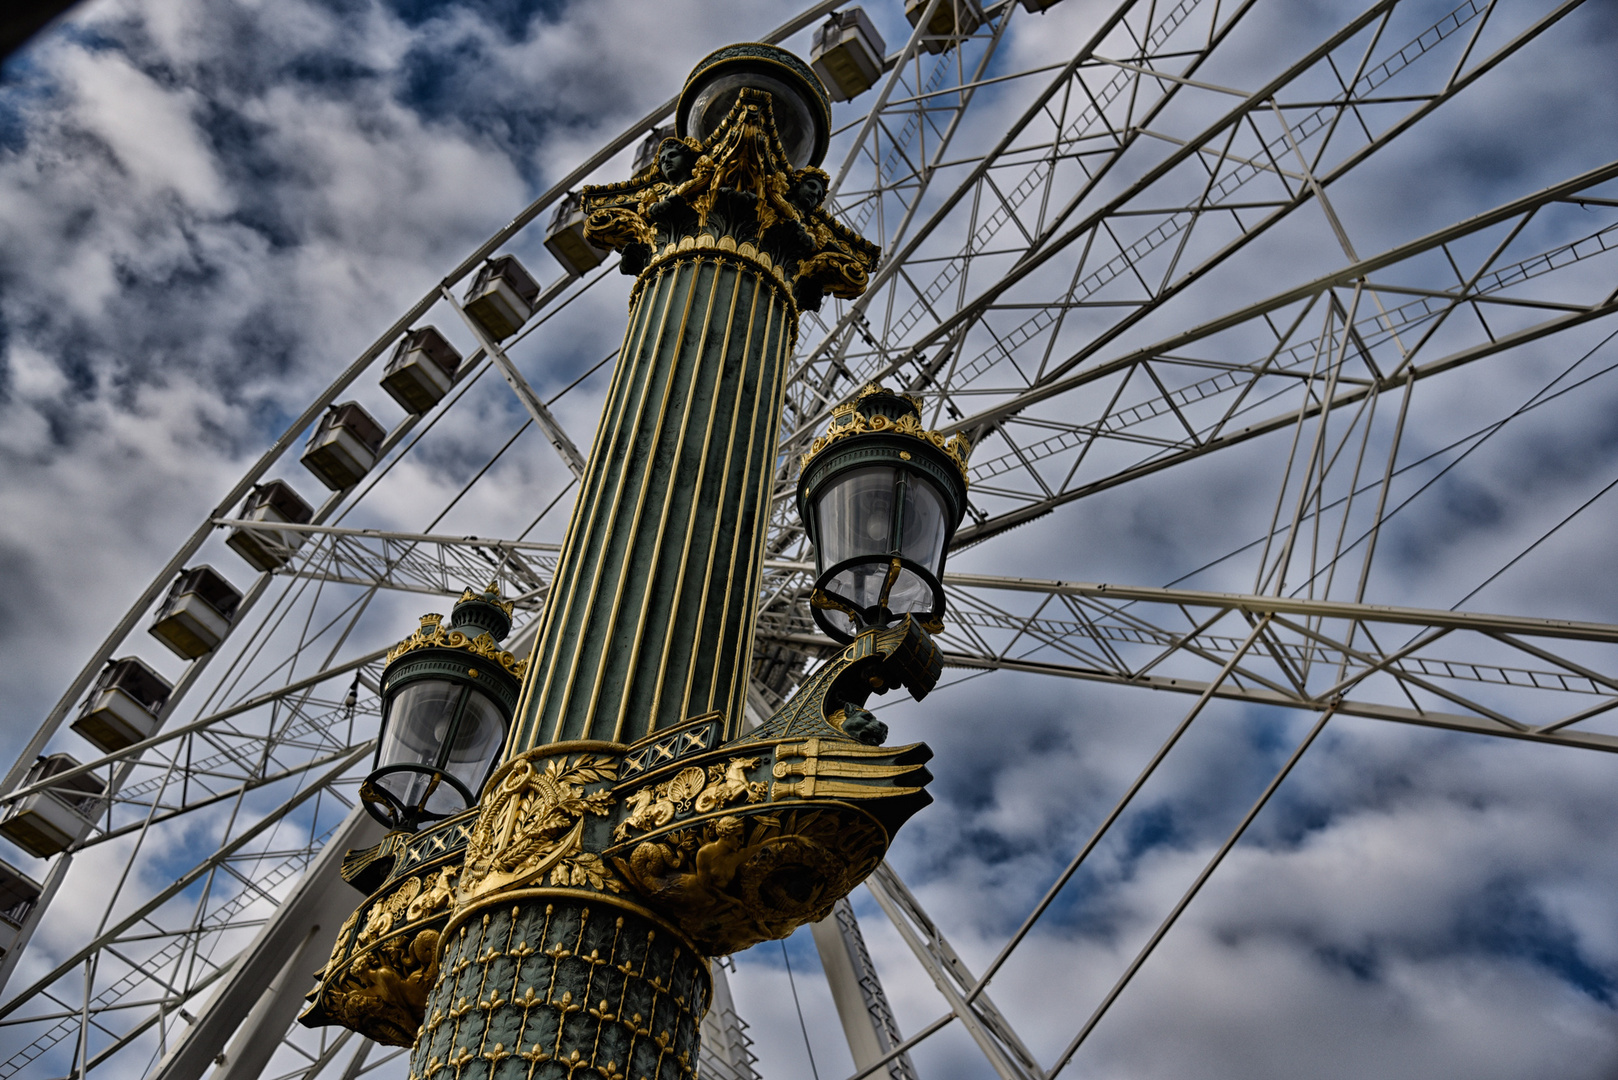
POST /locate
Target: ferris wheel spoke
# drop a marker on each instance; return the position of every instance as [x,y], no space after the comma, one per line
[436,564]
[1128,253]
[1074,83]
[135,949]
[1005,1050]
[1201,879]
[1287,383]
[1494,667]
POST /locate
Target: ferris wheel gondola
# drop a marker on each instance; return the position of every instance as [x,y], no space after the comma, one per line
[1114,257]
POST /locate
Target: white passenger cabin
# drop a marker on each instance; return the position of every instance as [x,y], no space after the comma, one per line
[197,613]
[18,895]
[847,53]
[344,446]
[951,21]
[123,705]
[50,821]
[421,370]
[275,502]
[565,238]
[502,297]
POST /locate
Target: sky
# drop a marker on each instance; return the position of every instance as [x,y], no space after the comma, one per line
[208,208]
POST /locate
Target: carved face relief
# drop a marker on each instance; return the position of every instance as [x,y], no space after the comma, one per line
[810,192]
[674,161]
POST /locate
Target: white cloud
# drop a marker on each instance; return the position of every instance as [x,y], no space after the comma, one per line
[208,209]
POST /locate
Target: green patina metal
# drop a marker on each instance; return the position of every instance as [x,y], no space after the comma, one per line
[649,620]
[540,989]
[631,832]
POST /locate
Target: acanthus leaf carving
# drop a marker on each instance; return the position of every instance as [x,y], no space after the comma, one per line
[736,193]
[532,823]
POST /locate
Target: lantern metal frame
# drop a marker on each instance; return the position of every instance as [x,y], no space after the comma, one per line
[769,68]
[881,429]
[463,654]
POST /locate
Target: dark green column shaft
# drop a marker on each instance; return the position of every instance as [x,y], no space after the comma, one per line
[543,988]
[649,617]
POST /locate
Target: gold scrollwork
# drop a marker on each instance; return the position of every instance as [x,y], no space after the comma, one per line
[736,193]
[431,634]
[847,420]
[391,909]
[435,898]
[655,805]
[734,881]
[383,992]
[532,824]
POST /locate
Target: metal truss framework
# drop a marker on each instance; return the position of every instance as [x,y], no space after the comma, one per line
[1023,269]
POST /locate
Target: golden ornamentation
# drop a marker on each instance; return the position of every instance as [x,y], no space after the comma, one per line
[431,634]
[376,981]
[532,824]
[734,881]
[727,783]
[739,195]
[618,227]
[382,994]
[438,896]
[379,921]
[846,420]
[827,767]
[655,805]
[493,590]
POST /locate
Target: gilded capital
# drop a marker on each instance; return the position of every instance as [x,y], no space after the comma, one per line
[734,193]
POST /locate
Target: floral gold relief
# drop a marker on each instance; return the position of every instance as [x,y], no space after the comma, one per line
[377,980]
[432,634]
[531,827]
[736,195]
[731,882]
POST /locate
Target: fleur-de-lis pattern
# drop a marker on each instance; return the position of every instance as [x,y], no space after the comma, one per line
[559,990]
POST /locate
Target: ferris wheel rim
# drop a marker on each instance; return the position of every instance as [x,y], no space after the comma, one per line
[530,214]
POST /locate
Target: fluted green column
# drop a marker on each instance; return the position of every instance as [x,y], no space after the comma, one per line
[649,617]
[578,937]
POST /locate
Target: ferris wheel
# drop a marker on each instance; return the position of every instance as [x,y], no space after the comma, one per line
[1202,256]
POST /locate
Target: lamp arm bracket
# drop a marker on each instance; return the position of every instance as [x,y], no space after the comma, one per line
[878,660]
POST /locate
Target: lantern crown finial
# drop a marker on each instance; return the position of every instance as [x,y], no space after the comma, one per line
[477,624]
[486,611]
[878,410]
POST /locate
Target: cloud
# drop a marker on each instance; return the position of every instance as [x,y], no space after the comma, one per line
[208,209]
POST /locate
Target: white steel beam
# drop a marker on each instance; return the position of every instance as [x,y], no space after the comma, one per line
[287,948]
[862,1005]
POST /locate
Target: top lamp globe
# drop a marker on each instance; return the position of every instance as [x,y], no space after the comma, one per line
[800,105]
[880,497]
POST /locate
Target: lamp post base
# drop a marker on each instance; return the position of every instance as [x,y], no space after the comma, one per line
[547,984]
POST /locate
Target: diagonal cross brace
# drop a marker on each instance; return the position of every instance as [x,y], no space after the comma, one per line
[988,1028]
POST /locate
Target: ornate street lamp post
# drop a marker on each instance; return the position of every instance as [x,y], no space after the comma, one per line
[880,497]
[447,697]
[634,828]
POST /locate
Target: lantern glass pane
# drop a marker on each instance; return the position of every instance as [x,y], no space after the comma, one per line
[923,533]
[909,593]
[417,721]
[855,516]
[476,741]
[419,715]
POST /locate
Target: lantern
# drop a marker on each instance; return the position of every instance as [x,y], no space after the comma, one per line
[880,497]
[448,693]
[800,105]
